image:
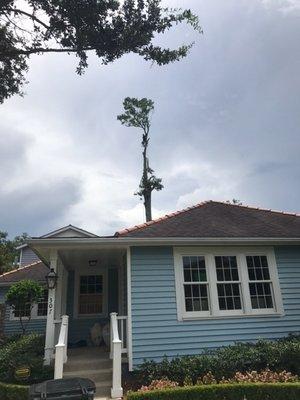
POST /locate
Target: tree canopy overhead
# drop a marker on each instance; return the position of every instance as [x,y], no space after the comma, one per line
[111,28]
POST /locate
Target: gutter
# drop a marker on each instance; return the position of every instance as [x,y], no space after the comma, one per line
[157,241]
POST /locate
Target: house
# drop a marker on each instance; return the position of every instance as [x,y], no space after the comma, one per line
[199,278]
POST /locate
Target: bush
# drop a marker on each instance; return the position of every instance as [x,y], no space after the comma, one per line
[13,392]
[26,351]
[159,385]
[226,361]
[250,391]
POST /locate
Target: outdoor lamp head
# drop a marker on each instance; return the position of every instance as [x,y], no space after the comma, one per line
[51,279]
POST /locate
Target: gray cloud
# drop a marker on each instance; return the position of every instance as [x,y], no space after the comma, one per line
[226,123]
[37,208]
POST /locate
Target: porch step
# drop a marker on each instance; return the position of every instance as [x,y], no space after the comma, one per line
[96,375]
[87,364]
[94,364]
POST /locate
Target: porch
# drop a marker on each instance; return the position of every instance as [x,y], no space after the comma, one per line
[87,315]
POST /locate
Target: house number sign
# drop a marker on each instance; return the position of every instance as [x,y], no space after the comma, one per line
[50,305]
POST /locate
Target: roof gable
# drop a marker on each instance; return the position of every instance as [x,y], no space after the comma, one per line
[69,231]
[213,219]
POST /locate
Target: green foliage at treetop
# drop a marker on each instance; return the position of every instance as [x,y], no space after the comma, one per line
[8,252]
[109,28]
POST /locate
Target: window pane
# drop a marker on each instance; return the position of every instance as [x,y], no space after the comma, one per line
[43,304]
[22,311]
[229,296]
[226,268]
[194,269]
[261,295]
[258,269]
[196,297]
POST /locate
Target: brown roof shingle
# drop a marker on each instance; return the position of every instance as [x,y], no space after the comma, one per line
[35,271]
[214,219]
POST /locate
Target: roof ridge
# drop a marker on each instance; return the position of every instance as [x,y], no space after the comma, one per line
[21,268]
[257,208]
[157,220]
[178,212]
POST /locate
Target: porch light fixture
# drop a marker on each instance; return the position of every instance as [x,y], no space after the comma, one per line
[51,279]
[93,263]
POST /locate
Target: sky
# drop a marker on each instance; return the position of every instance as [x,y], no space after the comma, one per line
[226,125]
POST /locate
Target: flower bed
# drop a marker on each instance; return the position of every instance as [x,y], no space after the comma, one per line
[235,391]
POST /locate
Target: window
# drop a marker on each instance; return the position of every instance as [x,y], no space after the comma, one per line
[90,294]
[212,283]
[22,311]
[38,310]
[42,306]
[260,284]
[229,296]
[195,284]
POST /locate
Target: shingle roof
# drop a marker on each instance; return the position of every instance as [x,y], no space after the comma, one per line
[35,271]
[214,219]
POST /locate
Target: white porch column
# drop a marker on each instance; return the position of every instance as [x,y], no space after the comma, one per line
[50,328]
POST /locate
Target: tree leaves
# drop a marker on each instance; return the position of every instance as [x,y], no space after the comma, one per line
[111,28]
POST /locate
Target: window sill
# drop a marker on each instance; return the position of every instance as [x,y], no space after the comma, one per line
[235,316]
[14,319]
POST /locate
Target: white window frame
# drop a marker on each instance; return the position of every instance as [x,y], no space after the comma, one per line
[214,312]
[89,271]
[33,314]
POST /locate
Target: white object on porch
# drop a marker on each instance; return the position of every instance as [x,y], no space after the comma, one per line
[61,348]
[116,355]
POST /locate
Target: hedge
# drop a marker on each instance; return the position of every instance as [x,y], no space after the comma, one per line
[249,391]
[27,350]
[13,392]
[278,355]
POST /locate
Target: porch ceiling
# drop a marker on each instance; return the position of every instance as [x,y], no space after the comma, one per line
[81,258]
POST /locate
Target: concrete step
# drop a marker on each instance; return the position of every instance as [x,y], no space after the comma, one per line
[95,375]
[82,364]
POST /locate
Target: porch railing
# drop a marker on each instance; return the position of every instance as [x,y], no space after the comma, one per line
[61,348]
[116,355]
[122,327]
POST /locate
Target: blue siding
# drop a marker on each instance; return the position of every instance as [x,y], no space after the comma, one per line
[27,256]
[13,327]
[157,332]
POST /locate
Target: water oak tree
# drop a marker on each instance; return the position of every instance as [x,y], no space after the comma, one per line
[137,113]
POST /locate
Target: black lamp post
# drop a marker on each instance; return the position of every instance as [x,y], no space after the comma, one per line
[51,279]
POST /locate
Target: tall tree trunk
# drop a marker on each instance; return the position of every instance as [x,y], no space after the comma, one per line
[147,189]
[147,204]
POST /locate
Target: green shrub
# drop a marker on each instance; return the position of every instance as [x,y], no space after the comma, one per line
[250,391]
[13,392]
[226,361]
[26,351]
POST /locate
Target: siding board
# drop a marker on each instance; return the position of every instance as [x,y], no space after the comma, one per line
[156,332]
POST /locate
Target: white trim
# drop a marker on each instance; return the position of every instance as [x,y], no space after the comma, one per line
[91,271]
[67,228]
[129,311]
[34,314]
[240,252]
[120,242]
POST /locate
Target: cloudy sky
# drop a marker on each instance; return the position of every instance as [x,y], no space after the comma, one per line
[226,125]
